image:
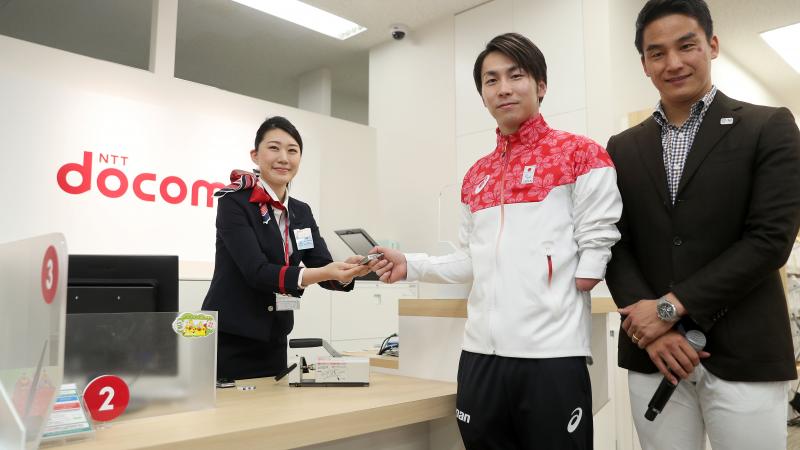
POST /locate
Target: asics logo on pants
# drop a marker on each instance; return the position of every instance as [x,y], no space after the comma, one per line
[574,420]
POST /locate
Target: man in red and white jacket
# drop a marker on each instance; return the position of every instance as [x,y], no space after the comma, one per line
[538,221]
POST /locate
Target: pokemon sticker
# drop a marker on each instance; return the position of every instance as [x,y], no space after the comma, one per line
[193,325]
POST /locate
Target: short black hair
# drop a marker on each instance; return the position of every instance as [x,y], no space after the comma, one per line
[656,9]
[519,49]
[281,123]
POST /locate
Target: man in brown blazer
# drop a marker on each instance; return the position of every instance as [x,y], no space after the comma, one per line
[711,206]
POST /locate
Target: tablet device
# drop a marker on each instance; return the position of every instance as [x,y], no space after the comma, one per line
[360,242]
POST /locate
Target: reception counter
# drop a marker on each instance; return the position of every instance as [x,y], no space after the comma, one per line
[414,401]
[276,416]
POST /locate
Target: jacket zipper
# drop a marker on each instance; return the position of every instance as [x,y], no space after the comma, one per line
[502,195]
[500,232]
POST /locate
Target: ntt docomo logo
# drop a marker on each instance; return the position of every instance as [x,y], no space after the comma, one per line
[144,185]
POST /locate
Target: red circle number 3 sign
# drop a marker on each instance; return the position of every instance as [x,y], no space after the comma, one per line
[49,274]
[106,397]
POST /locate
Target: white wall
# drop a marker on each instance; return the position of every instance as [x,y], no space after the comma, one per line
[411,107]
[738,83]
[57,105]
[349,107]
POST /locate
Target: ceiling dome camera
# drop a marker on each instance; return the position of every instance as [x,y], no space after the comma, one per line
[398,31]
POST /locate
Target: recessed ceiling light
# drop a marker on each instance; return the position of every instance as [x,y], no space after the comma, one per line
[786,42]
[307,16]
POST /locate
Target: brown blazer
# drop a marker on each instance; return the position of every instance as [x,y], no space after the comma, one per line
[719,248]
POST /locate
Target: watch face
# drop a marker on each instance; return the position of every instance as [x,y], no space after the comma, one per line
[666,310]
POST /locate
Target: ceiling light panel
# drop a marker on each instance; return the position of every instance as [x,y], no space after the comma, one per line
[786,42]
[307,16]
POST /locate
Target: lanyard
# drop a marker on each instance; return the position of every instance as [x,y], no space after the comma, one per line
[285,237]
[282,273]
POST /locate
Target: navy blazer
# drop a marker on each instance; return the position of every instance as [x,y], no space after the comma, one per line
[719,247]
[248,263]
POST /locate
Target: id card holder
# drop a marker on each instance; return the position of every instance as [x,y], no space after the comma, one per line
[303,238]
[286,303]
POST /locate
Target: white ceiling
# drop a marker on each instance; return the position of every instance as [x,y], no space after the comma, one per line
[738,24]
[233,47]
[236,36]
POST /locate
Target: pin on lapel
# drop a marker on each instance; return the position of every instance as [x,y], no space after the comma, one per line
[726,121]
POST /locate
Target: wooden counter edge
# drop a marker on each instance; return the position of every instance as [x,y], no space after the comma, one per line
[457,308]
[338,426]
[423,307]
[603,305]
[251,433]
[386,362]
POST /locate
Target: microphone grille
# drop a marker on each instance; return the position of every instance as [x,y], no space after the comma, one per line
[696,339]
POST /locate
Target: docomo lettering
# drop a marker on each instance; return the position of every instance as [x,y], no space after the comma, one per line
[141,184]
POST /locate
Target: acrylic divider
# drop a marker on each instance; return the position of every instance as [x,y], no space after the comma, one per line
[167,360]
[33,274]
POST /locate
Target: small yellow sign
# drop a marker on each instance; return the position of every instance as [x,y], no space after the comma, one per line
[194,325]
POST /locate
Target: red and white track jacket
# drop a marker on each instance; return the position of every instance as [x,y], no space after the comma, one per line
[537,212]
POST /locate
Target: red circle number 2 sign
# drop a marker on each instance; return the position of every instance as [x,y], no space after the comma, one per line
[106,397]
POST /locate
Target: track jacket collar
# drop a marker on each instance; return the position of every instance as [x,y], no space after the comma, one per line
[529,132]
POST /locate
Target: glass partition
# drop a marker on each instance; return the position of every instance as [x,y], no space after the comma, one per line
[33,274]
[168,360]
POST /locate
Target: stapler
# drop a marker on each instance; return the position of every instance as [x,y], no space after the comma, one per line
[333,370]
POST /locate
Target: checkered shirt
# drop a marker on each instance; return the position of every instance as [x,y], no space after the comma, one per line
[677,141]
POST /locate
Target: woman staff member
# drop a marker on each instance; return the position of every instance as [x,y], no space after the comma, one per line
[262,237]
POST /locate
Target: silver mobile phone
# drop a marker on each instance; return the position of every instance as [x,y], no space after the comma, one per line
[370,257]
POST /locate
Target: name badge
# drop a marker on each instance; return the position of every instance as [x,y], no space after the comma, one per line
[527,174]
[303,238]
[286,303]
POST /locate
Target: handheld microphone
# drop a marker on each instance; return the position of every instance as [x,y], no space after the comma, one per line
[697,340]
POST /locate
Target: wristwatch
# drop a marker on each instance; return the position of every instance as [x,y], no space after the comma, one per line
[666,311]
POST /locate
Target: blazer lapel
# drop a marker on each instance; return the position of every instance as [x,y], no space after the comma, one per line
[708,136]
[270,235]
[651,152]
[293,225]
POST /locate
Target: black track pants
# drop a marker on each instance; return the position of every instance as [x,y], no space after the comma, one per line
[518,403]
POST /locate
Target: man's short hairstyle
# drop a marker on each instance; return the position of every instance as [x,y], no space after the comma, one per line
[656,9]
[280,123]
[519,49]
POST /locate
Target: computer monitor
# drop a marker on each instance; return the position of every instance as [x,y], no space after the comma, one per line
[360,242]
[120,284]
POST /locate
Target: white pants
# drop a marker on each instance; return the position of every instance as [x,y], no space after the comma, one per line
[736,415]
